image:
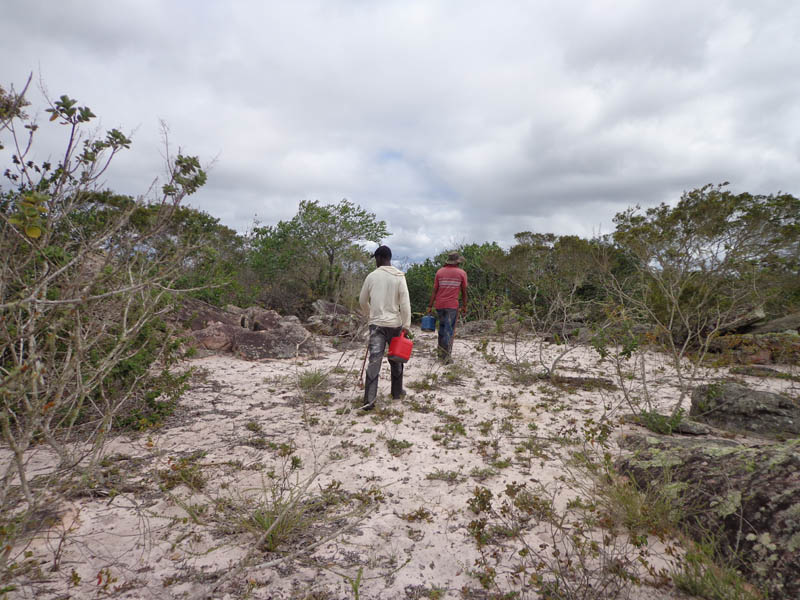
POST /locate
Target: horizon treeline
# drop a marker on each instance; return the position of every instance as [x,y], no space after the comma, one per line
[711,235]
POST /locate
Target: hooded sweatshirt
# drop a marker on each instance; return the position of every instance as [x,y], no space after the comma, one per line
[384,296]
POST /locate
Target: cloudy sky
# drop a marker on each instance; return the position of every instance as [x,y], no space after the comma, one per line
[452,120]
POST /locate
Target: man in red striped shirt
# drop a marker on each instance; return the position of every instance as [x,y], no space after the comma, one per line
[450,281]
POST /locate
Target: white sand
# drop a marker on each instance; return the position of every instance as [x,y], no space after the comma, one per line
[149,543]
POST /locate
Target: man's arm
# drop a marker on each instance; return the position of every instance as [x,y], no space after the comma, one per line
[405,305]
[433,294]
[363,299]
[464,295]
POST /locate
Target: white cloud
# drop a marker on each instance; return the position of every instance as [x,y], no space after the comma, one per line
[451,121]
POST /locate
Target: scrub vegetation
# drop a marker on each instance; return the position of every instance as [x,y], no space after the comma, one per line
[88,353]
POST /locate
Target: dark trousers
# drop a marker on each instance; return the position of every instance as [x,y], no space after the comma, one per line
[447,330]
[379,338]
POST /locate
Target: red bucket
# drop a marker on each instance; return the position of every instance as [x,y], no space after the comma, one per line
[400,348]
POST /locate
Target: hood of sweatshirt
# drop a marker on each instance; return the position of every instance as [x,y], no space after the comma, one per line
[392,271]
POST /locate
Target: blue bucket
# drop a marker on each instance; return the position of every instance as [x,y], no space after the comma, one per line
[428,323]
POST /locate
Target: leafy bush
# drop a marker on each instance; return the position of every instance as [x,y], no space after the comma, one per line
[87,277]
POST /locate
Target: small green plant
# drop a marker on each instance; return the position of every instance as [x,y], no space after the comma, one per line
[397,447]
[254,427]
[184,471]
[421,407]
[313,384]
[448,476]
[501,463]
[428,382]
[485,427]
[659,423]
[421,514]
[700,575]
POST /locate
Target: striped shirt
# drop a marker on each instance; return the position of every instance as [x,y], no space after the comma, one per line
[449,281]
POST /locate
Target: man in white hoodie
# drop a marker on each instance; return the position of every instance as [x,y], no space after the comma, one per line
[384,297]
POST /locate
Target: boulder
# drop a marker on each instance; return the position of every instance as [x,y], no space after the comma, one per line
[196,315]
[232,308]
[252,333]
[261,319]
[217,336]
[748,497]
[323,308]
[735,407]
[783,324]
[283,340]
[744,319]
[333,319]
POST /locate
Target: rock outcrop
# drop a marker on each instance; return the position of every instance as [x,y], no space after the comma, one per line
[195,315]
[252,333]
[749,498]
[285,340]
[780,325]
[333,319]
[735,407]
[217,337]
[759,349]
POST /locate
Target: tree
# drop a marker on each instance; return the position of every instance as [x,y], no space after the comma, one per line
[699,266]
[313,252]
[331,230]
[85,279]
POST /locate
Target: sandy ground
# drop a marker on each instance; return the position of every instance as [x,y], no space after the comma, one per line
[387,513]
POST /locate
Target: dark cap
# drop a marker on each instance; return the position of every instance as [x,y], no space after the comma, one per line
[383,252]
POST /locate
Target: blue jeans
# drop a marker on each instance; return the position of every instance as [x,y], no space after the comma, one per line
[379,338]
[447,330]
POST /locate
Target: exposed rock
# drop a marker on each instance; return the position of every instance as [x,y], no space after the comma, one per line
[333,320]
[689,427]
[285,340]
[323,307]
[764,348]
[217,336]
[735,407]
[232,308]
[783,324]
[196,315]
[755,371]
[262,319]
[252,333]
[749,497]
[746,318]
[652,421]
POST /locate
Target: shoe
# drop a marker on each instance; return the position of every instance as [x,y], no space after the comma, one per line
[368,407]
[399,396]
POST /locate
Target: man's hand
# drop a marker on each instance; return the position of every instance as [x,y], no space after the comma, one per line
[463,311]
[430,308]
[407,331]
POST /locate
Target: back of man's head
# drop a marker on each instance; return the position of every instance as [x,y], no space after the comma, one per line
[383,255]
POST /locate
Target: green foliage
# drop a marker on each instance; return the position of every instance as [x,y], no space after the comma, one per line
[419,279]
[184,471]
[397,447]
[86,279]
[701,575]
[714,253]
[317,254]
[659,423]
